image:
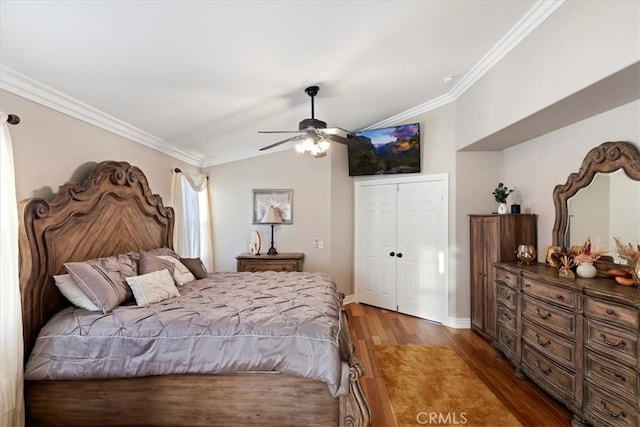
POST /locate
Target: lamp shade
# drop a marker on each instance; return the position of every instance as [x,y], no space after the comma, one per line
[272,216]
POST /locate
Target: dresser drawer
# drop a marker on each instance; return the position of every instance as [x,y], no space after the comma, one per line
[613,342]
[506,340]
[507,318]
[606,373]
[549,344]
[554,318]
[268,266]
[548,374]
[609,410]
[507,278]
[621,315]
[507,296]
[553,294]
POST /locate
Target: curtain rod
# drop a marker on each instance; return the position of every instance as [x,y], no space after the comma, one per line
[178,170]
[13,119]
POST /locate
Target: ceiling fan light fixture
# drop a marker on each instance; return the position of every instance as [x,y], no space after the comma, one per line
[317,147]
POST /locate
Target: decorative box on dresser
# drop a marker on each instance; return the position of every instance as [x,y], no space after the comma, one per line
[575,338]
[493,238]
[279,262]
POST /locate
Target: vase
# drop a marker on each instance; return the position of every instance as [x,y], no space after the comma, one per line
[526,254]
[502,208]
[586,270]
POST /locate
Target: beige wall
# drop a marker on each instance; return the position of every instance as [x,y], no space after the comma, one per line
[310,179]
[581,43]
[51,148]
[560,153]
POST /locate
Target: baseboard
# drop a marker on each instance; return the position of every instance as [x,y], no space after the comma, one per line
[349,299]
[458,322]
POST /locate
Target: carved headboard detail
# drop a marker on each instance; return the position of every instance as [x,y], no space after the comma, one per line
[113,211]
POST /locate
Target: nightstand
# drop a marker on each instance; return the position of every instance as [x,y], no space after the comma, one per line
[280,262]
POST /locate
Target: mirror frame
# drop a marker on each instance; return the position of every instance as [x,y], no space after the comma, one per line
[606,158]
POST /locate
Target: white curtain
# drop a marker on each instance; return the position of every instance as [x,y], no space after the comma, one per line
[192,230]
[11,343]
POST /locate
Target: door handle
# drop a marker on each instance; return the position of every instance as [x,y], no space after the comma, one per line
[392,254]
[399,255]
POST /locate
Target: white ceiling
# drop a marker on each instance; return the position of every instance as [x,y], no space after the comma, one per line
[198,79]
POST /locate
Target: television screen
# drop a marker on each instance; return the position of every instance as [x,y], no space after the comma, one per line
[385,151]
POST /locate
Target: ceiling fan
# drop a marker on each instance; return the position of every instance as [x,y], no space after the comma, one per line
[313,135]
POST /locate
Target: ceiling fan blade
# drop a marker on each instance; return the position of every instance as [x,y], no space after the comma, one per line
[340,139]
[279,131]
[334,131]
[294,138]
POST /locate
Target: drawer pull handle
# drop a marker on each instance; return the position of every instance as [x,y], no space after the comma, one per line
[506,316]
[610,413]
[543,316]
[615,374]
[544,344]
[611,343]
[539,366]
[527,285]
[558,296]
[610,311]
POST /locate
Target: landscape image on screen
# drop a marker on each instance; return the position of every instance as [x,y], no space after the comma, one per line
[386,151]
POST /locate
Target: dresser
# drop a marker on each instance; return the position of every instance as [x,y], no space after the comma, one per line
[279,262]
[575,338]
[493,238]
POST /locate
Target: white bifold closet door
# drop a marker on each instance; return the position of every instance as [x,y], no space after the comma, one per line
[401,246]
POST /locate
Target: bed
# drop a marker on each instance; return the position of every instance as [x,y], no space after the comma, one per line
[114,212]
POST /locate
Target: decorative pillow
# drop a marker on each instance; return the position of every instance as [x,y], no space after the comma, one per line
[103,280]
[195,266]
[181,274]
[164,251]
[72,292]
[153,287]
[150,263]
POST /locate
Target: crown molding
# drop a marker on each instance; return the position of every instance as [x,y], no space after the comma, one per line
[40,93]
[538,13]
[412,112]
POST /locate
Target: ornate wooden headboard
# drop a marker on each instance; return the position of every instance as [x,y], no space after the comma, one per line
[113,211]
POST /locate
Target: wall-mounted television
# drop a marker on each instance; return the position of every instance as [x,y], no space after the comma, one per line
[388,150]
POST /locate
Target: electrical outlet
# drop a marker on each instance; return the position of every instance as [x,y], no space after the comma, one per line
[316,242]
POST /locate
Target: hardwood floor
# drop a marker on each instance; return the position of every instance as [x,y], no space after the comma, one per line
[370,326]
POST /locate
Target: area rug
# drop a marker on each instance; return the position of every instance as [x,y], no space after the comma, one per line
[433,386]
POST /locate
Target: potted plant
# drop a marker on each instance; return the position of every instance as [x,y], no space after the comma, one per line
[501,193]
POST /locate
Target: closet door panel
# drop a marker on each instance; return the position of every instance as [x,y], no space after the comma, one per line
[376,271]
[421,280]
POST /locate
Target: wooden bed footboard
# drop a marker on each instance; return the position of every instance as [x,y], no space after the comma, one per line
[258,399]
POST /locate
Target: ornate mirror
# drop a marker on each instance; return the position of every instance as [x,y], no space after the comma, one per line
[602,199]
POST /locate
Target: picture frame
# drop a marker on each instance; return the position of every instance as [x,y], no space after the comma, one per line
[279,198]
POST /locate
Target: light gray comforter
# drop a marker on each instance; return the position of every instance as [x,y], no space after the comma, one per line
[229,322]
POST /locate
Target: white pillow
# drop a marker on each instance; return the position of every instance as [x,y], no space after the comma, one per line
[73,293]
[152,287]
[181,274]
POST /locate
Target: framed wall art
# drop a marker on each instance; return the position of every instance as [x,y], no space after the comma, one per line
[279,199]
